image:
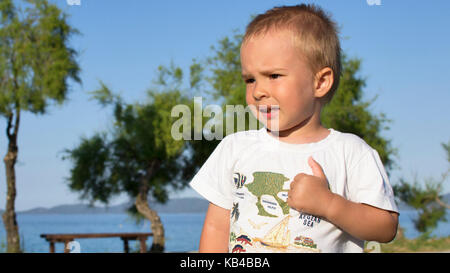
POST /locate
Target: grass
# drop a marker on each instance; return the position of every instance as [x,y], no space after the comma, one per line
[2,246]
[401,244]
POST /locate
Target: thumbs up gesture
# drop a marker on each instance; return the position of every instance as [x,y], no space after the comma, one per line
[310,193]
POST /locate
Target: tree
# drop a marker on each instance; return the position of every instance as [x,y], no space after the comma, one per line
[348,112]
[426,199]
[139,156]
[35,64]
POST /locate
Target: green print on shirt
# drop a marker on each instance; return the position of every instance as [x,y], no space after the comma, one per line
[268,183]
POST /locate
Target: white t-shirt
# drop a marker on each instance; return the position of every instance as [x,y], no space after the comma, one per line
[249,173]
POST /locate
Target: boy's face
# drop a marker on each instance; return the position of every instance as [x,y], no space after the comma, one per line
[277,79]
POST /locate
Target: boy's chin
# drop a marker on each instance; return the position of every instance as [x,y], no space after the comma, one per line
[271,126]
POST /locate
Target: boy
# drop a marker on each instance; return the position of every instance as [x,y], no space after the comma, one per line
[293,186]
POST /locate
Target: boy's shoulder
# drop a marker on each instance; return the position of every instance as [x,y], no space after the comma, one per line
[351,139]
[346,142]
[352,144]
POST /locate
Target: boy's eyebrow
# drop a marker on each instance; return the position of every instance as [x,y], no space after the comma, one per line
[263,72]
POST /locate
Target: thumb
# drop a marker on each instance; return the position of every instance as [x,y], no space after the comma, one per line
[316,168]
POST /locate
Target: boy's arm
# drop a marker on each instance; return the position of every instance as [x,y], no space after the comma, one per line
[359,220]
[216,230]
[362,221]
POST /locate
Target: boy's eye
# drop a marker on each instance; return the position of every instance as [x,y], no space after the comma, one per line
[275,76]
[249,81]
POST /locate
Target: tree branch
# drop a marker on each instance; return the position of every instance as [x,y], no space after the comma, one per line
[143,188]
[17,121]
[439,201]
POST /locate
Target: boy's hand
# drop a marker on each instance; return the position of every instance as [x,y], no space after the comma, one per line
[310,193]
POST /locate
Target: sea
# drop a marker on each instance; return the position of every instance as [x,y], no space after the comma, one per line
[182,230]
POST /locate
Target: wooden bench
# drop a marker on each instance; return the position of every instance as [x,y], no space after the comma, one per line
[67,238]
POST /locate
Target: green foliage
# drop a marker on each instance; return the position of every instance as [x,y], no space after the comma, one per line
[196,71]
[104,96]
[35,59]
[348,112]
[426,199]
[90,161]
[225,67]
[447,149]
[169,76]
[415,195]
[422,199]
[110,163]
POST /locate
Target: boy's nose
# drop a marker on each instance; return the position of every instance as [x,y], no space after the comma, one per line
[259,92]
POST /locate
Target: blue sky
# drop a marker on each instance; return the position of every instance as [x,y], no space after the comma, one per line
[404,47]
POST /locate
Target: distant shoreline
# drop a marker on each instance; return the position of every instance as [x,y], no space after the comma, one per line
[176,205]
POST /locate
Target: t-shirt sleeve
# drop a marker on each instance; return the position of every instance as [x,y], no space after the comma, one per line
[213,180]
[368,183]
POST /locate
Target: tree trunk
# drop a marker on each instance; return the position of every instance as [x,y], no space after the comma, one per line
[9,216]
[143,208]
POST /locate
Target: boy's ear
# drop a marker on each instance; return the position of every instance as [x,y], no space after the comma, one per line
[323,81]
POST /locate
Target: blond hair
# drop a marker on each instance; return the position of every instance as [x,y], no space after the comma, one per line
[314,31]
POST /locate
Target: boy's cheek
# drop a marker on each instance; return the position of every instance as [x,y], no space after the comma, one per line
[249,97]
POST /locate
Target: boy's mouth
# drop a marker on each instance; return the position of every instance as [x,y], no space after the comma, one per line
[268,111]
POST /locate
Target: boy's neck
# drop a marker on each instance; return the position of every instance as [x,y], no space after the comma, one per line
[309,131]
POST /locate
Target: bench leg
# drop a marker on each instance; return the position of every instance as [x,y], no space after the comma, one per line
[143,246]
[52,247]
[126,248]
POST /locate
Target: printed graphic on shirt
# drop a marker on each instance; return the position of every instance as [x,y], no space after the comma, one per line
[255,225]
[267,187]
[277,239]
[235,212]
[279,236]
[239,180]
[271,227]
[309,220]
[305,242]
